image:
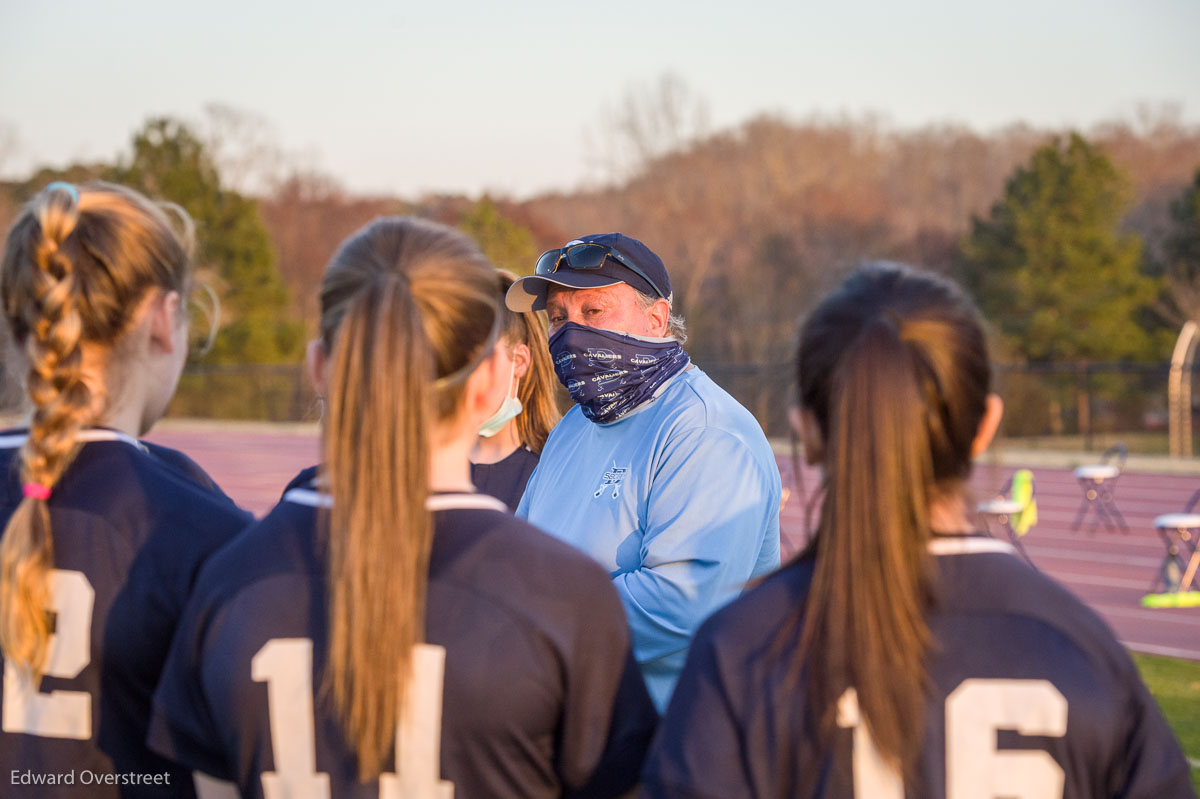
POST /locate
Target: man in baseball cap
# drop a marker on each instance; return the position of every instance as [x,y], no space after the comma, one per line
[592,262]
[657,472]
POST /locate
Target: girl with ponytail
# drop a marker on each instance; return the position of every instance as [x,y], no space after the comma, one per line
[386,630]
[102,534]
[890,657]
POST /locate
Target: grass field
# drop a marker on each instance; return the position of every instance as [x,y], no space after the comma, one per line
[1176,685]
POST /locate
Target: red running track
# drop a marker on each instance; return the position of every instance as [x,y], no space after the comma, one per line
[1110,571]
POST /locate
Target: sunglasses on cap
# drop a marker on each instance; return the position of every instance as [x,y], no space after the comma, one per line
[581,257]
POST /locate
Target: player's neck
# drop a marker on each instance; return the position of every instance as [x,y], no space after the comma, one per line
[127,420]
[125,409]
[450,469]
[498,447]
[948,514]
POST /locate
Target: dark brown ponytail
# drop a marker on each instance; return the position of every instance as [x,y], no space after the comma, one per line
[894,368]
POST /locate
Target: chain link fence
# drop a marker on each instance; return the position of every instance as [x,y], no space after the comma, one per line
[1047,406]
[257,392]
[1086,406]
[1054,406]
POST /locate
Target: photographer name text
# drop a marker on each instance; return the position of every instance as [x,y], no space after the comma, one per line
[87,777]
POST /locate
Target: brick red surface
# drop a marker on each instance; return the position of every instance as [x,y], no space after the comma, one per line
[1110,571]
[252,467]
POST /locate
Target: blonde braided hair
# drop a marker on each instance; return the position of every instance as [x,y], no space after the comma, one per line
[77,263]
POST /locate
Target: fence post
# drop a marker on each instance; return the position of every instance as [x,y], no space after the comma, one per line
[1179,392]
[1084,403]
[1091,420]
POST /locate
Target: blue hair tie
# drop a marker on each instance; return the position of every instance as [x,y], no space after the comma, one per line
[67,187]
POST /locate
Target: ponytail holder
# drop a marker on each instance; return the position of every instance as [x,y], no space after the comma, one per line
[36,491]
[69,188]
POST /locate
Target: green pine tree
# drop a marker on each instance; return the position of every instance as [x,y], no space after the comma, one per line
[506,244]
[1182,251]
[1051,268]
[233,250]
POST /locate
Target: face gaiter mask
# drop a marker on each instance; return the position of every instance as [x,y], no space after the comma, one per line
[608,373]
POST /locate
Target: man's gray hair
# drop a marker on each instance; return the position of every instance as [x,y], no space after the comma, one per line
[676,327]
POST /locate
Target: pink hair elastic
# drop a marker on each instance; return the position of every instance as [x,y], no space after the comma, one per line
[36,491]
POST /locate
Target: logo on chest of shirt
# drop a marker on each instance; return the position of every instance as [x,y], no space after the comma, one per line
[613,477]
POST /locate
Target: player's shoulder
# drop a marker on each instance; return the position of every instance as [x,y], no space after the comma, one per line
[985,579]
[982,575]
[305,479]
[155,473]
[478,542]
[747,623]
[117,495]
[185,466]
[522,460]
[285,541]
[144,491]
[482,523]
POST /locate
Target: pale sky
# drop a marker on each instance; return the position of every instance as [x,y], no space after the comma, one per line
[401,98]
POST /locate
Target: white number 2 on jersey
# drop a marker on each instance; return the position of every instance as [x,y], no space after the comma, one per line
[285,664]
[975,767]
[57,714]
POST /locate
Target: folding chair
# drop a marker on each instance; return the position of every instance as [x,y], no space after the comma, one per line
[1173,585]
[1016,512]
[1098,481]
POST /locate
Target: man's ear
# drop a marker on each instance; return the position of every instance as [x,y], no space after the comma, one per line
[659,317]
[315,360]
[164,320]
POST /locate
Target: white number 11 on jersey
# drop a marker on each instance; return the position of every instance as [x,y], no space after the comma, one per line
[285,665]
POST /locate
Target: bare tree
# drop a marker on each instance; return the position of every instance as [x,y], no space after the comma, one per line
[245,148]
[650,120]
[10,144]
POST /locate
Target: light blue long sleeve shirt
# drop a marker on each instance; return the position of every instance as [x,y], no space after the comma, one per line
[679,500]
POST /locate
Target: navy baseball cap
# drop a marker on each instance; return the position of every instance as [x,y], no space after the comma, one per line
[629,261]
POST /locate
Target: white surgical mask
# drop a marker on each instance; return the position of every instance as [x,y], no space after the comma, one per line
[508,410]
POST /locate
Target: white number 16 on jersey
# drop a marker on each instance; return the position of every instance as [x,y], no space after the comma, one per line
[285,665]
[975,767]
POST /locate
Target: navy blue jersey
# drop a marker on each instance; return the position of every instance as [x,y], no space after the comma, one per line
[185,466]
[130,533]
[1031,697]
[307,478]
[526,684]
[506,479]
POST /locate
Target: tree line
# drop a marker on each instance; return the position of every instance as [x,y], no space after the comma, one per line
[1079,247]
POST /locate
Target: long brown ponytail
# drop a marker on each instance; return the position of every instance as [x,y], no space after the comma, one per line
[77,263]
[894,368]
[408,310]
